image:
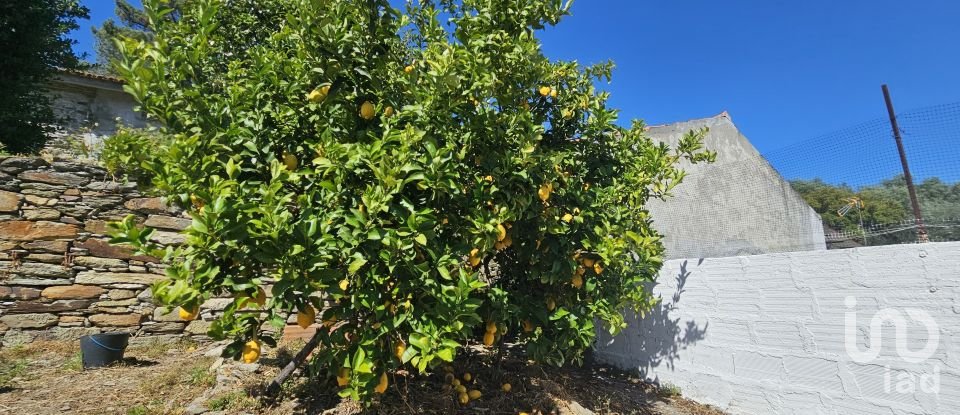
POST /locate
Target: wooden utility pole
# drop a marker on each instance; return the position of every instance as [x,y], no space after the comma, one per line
[918,216]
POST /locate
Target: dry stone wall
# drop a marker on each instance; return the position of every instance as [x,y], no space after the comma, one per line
[59,277]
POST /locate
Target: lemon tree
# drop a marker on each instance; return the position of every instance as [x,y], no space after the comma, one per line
[414,178]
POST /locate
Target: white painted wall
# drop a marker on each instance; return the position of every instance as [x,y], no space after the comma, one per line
[766,334]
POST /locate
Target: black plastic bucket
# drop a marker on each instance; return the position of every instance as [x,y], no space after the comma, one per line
[100,350]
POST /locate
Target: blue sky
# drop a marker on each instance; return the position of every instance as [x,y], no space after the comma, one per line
[786,71]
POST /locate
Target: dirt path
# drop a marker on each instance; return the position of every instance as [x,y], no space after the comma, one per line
[46,378]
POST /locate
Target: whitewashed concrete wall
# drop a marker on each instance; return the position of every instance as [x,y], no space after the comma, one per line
[768,333]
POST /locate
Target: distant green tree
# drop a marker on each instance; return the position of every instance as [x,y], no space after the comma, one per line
[131,23]
[887,203]
[33,38]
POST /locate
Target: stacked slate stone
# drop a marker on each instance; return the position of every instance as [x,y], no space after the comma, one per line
[59,277]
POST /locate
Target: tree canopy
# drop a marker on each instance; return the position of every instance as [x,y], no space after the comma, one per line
[417,178]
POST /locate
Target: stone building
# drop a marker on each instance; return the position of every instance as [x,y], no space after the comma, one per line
[89,107]
[738,205]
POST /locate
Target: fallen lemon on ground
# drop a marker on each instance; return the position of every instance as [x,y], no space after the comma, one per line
[463,398]
[474,394]
[190,314]
[489,338]
[506,387]
[251,351]
[382,386]
[343,377]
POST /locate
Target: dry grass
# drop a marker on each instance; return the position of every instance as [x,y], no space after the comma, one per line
[154,379]
[45,378]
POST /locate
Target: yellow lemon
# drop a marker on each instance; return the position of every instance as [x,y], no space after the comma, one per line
[467,377]
[501,232]
[388,112]
[567,218]
[554,93]
[474,394]
[318,94]
[597,268]
[196,200]
[399,348]
[455,382]
[551,304]
[290,161]
[588,262]
[489,338]
[545,90]
[488,179]
[343,377]
[491,327]
[581,270]
[382,386]
[507,241]
[251,351]
[545,190]
[190,314]
[506,387]
[408,69]
[367,111]
[463,398]
[306,317]
[344,284]
[577,281]
[460,388]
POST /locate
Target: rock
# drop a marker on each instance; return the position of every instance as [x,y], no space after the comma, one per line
[167,222]
[29,321]
[20,230]
[164,327]
[72,292]
[40,201]
[168,238]
[96,226]
[49,177]
[198,327]
[9,201]
[146,205]
[36,282]
[41,214]
[574,408]
[23,162]
[216,304]
[67,333]
[103,249]
[104,186]
[35,269]
[28,307]
[100,278]
[115,320]
[159,314]
[97,262]
[18,293]
[47,258]
[216,352]
[14,337]
[3,328]
[117,303]
[47,246]
[71,321]
[121,294]
[197,407]
[145,296]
